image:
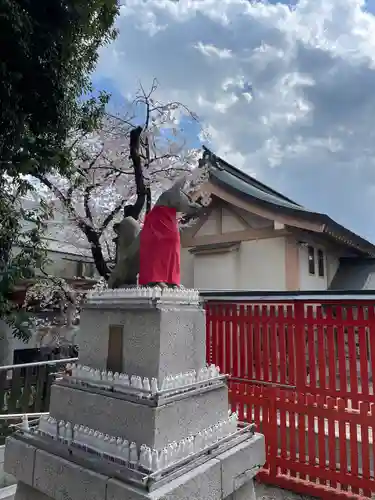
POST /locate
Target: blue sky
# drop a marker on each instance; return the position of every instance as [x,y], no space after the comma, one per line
[307,126]
[191,128]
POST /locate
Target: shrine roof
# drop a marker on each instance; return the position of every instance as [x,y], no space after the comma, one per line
[245,186]
[354,274]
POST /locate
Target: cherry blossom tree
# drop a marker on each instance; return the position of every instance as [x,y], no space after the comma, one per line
[88,204]
[92,199]
[56,308]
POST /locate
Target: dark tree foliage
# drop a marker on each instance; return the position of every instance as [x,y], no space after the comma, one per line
[47,51]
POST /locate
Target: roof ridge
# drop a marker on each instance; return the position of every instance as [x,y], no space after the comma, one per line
[248,178]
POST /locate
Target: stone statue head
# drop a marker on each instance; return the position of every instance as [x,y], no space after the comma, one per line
[177,197]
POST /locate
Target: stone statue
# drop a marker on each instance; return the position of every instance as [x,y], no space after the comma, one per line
[127,250]
[160,237]
[154,252]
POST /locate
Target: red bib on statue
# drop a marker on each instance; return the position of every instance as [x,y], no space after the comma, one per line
[160,247]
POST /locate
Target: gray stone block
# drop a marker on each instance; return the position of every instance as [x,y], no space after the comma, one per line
[116,490]
[202,483]
[19,460]
[155,342]
[246,492]
[26,492]
[240,464]
[63,480]
[154,427]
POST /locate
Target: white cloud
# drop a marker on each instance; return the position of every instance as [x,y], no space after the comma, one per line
[287,93]
[212,51]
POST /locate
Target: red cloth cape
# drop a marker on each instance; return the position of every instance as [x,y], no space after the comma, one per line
[160,247]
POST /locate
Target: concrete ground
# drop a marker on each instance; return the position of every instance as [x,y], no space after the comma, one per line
[265,492]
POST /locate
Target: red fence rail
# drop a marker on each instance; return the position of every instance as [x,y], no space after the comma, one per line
[303,371]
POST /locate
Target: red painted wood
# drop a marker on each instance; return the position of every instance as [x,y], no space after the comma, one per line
[302,433]
[282,346]
[321,350]
[312,448]
[227,327]
[291,355]
[256,342]
[341,340]
[220,337]
[235,342]
[208,334]
[265,348]
[249,373]
[283,435]
[364,409]
[341,405]
[300,347]
[257,408]
[352,354]
[331,443]
[311,347]
[353,442]
[242,340]
[273,345]
[282,343]
[292,431]
[331,353]
[371,338]
[363,354]
[372,429]
[320,400]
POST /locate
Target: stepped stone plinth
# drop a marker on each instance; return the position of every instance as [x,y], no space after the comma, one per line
[144,417]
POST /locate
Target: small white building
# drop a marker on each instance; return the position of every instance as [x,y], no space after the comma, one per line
[253,238]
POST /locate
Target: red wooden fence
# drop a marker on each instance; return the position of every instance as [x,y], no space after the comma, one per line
[302,370]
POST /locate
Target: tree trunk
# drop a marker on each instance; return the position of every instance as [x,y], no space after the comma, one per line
[97,252]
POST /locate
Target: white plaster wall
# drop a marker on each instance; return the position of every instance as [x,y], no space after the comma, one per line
[262,265]
[216,271]
[187,268]
[256,265]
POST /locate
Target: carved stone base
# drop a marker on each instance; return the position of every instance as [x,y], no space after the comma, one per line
[46,476]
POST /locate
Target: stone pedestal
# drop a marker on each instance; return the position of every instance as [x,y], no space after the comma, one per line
[147,341]
[145,335]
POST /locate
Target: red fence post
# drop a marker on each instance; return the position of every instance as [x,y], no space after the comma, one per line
[300,345]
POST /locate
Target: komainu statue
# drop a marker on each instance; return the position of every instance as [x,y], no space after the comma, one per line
[127,251]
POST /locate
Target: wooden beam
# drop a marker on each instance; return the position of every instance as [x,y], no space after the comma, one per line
[234,236]
[252,207]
